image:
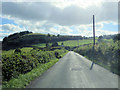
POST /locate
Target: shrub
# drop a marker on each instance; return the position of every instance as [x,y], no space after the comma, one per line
[23,62]
[17,50]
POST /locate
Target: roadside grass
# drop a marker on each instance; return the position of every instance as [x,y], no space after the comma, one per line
[24,79]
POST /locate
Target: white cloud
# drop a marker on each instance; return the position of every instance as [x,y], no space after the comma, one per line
[8,29]
[79,3]
[12,28]
[3,34]
[72,14]
[50,18]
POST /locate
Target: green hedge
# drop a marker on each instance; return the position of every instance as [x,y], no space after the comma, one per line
[23,62]
[106,54]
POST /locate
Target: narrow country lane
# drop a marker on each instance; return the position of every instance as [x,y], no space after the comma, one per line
[73,71]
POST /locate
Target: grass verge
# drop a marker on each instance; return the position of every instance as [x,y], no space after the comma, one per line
[24,79]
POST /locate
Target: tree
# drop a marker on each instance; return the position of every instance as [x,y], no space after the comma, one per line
[54,44]
[18,50]
[62,43]
[100,38]
[5,39]
[53,35]
[47,44]
[58,35]
[48,35]
[117,37]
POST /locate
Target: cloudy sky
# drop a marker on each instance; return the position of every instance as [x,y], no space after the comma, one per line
[68,17]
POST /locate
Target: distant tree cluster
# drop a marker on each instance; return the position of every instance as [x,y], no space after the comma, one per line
[17,40]
[15,35]
[116,38]
[100,38]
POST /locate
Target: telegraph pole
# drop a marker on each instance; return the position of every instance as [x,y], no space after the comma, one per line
[93,31]
[93,41]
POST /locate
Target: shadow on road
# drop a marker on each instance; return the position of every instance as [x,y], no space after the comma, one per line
[92,66]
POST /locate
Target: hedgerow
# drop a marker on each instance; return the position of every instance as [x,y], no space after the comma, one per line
[22,62]
[106,54]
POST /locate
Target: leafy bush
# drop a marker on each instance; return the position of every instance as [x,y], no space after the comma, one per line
[23,62]
[17,50]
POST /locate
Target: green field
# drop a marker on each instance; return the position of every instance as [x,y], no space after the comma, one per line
[71,43]
[9,52]
[35,34]
[39,45]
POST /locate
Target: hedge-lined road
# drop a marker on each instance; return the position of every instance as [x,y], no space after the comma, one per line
[73,71]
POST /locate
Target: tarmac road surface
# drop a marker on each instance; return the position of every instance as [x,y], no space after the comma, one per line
[73,71]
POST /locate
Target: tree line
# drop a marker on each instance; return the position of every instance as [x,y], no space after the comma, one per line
[27,38]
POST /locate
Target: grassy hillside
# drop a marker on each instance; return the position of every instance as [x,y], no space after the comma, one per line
[35,34]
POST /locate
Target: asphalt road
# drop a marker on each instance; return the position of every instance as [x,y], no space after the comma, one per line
[73,71]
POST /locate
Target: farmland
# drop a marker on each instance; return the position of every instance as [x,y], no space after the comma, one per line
[73,43]
[70,43]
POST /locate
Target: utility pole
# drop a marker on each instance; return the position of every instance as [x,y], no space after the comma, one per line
[93,31]
[93,41]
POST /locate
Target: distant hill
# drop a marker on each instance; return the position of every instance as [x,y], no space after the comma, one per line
[27,38]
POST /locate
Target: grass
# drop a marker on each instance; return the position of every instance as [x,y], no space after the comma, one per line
[76,42]
[34,34]
[71,43]
[24,79]
[9,52]
[40,45]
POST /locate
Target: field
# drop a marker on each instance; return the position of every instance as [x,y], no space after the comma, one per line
[10,52]
[73,43]
[40,45]
[70,43]
[35,34]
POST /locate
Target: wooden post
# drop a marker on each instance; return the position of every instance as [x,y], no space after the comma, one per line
[93,42]
[93,31]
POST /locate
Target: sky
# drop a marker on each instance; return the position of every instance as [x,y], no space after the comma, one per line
[65,17]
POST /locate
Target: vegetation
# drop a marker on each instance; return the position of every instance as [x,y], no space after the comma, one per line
[24,79]
[67,44]
[106,54]
[21,61]
[21,65]
[26,38]
[73,43]
[40,45]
